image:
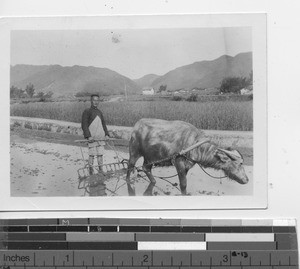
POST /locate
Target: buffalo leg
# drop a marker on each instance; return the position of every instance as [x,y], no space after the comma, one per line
[182,172]
[147,170]
[130,186]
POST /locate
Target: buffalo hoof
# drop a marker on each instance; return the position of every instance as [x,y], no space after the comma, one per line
[147,193]
[131,192]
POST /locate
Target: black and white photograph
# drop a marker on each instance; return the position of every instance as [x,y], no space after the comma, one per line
[138,112]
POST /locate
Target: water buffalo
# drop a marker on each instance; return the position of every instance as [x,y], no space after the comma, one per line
[156,139]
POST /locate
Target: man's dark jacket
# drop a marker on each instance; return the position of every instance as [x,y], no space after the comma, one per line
[87,118]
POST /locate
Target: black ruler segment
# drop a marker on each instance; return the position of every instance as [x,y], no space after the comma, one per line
[34,245]
[165,229]
[241,245]
[226,229]
[196,229]
[42,228]
[104,245]
[101,228]
[147,243]
[134,229]
[71,228]
[286,241]
[284,229]
[14,228]
[257,229]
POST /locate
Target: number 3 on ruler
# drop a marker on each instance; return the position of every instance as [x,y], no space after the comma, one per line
[225,258]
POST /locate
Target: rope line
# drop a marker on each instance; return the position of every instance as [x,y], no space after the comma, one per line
[121,159]
[146,179]
[191,160]
[163,178]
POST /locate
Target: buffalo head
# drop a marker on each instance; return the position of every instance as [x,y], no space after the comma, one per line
[231,162]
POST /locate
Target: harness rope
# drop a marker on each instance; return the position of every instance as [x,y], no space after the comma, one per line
[138,168]
[191,160]
[182,153]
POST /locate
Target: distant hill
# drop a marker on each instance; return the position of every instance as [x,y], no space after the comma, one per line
[206,74]
[146,81]
[70,80]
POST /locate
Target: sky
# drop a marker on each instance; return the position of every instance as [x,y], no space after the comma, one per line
[132,53]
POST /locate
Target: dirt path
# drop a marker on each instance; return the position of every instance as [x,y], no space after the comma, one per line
[46,164]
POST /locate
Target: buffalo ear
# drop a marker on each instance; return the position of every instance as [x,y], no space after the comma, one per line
[222,156]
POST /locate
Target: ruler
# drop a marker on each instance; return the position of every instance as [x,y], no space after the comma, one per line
[85,243]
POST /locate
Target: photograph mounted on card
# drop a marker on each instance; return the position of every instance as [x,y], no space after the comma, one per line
[135,112]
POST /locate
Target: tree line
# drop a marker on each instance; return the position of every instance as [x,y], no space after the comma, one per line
[235,84]
[28,92]
[228,85]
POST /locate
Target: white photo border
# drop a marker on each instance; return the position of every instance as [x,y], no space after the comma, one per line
[259,198]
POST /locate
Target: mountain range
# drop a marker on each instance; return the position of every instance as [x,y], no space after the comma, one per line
[206,74]
[146,81]
[70,80]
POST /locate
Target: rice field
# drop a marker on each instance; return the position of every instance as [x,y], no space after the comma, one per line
[222,115]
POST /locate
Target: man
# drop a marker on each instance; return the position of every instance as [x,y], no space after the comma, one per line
[95,131]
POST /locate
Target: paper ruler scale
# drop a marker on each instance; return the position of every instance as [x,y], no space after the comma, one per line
[147,243]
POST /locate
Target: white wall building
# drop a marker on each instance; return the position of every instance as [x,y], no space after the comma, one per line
[148,91]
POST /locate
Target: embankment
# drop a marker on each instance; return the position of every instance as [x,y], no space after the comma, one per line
[224,138]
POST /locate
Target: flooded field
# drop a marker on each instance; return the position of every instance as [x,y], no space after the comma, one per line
[44,169]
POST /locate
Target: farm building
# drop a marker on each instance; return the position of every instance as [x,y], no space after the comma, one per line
[247,91]
[148,91]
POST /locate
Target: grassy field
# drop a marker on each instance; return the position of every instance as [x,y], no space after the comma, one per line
[222,115]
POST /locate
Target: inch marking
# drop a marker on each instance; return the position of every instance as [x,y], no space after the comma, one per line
[152,258]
